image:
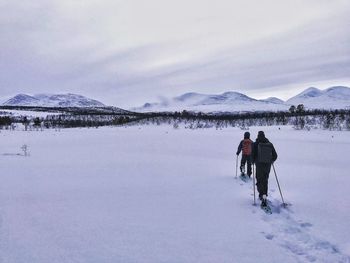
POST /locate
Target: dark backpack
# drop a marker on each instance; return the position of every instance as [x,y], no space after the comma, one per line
[265,152]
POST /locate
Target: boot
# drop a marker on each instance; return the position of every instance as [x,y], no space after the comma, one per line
[264,201]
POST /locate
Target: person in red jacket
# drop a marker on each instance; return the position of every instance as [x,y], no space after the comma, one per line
[246,147]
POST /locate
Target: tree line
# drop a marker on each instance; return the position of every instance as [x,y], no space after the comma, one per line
[298,117]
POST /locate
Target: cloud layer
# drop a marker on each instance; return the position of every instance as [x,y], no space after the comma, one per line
[128,52]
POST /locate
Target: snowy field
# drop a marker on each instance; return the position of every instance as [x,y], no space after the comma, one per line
[156,194]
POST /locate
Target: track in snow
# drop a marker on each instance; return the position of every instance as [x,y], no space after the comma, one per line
[295,236]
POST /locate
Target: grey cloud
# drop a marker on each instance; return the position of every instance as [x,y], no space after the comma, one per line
[318,52]
[41,55]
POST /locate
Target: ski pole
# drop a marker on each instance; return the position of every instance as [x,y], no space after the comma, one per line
[274,170]
[236,165]
[254,183]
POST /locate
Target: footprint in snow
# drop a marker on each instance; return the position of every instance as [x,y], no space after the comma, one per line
[305,225]
[268,236]
[295,236]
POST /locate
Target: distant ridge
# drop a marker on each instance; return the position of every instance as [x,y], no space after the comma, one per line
[337,97]
[53,100]
[273,100]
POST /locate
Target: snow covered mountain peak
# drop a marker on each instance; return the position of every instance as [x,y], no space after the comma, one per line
[273,100]
[21,99]
[190,97]
[205,99]
[232,95]
[339,92]
[309,93]
[337,97]
[53,100]
[230,101]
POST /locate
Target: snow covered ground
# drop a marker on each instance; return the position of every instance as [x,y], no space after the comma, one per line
[156,194]
[33,114]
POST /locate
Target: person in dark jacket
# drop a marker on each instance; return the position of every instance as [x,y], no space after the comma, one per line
[263,155]
[246,147]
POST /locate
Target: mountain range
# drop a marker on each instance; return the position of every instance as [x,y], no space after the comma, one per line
[337,97]
[53,100]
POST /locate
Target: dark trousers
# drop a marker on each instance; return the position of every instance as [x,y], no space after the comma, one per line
[262,177]
[246,159]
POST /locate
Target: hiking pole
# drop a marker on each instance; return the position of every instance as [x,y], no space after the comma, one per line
[254,183]
[274,170]
[236,165]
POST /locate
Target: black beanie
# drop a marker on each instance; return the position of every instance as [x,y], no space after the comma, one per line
[246,135]
[261,135]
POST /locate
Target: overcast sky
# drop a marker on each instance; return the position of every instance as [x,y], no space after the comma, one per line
[128,52]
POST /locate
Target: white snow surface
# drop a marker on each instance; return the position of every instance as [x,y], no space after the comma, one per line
[41,114]
[156,194]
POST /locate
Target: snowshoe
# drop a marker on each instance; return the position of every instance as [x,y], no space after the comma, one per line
[244,178]
[265,206]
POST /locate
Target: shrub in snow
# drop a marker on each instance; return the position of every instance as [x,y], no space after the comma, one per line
[25,150]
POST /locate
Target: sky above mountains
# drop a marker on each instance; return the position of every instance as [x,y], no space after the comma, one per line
[127,52]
